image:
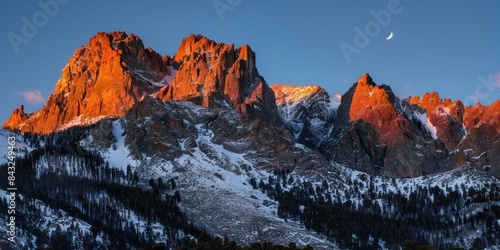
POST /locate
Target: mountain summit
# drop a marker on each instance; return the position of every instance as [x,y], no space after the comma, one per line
[373,134]
[218,75]
[104,78]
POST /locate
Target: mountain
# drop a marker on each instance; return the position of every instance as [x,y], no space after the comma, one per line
[372,133]
[445,115]
[371,130]
[218,75]
[367,129]
[378,133]
[114,70]
[104,78]
[471,133]
[482,143]
[137,150]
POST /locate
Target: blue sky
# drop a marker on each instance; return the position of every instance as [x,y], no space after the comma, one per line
[451,47]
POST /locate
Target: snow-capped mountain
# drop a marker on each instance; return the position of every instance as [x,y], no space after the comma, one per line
[134,149]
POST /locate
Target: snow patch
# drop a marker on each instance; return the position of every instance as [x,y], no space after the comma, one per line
[118,154]
[427,123]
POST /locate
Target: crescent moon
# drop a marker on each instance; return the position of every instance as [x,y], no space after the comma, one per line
[390,36]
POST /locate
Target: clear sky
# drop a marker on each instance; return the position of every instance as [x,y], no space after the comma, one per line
[451,47]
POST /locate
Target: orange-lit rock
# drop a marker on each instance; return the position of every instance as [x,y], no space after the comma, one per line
[481,146]
[218,75]
[290,94]
[372,135]
[104,78]
[18,117]
[446,115]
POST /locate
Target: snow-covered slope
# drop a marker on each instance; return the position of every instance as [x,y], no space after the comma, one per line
[213,181]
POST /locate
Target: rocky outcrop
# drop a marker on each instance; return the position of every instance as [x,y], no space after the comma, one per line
[152,128]
[306,111]
[481,145]
[445,115]
[218,75]
[373,134]
[17,118]
[471,133]
[104,78]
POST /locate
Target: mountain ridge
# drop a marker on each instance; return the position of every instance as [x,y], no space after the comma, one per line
[371,130]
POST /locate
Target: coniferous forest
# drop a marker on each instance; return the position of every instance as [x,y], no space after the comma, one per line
[419,218]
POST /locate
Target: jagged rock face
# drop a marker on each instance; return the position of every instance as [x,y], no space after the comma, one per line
[372,134]
[481,145]
[217,75]
[268,146]
[471,133]
[306,111]
[114,70]
[445,115]
[152,128]
[104,78]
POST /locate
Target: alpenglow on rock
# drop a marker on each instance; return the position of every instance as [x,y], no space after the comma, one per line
[114,70]
[306,111]
[367,129]
[104,78]
[374,135]
[218,75]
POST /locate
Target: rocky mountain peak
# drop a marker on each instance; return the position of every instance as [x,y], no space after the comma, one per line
[193,43]
[218,75]
[366,79]
[432,101]
[445,115]
[104,78]
[363,98]
[108,75]
[372,134]
[18,117]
